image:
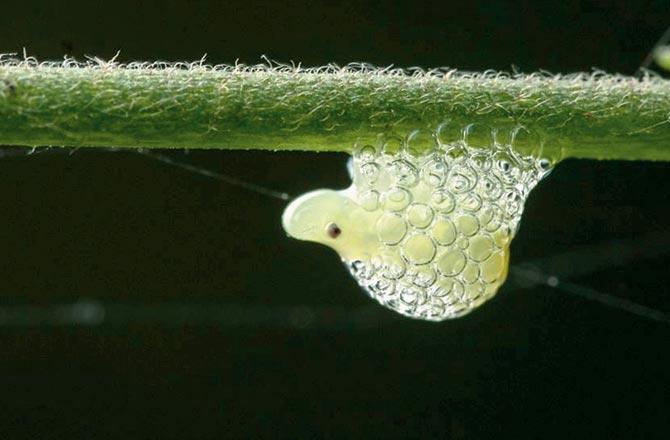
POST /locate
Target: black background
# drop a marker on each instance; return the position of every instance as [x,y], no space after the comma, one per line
[216,325]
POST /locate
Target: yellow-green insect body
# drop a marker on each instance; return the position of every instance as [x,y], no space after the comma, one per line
[426,235]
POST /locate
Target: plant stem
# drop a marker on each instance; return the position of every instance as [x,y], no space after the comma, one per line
[95,104]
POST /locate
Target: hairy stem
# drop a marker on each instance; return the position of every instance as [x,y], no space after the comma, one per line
[97,103]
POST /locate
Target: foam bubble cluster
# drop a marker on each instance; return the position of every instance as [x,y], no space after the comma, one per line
[426,234]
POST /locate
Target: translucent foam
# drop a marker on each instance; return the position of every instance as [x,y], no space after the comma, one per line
[425,234]
[447,218]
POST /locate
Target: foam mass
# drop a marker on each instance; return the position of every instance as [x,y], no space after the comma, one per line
[425,233]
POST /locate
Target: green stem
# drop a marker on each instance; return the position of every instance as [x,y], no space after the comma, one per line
[105,104]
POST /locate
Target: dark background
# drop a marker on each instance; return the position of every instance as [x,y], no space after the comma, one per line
[143,301]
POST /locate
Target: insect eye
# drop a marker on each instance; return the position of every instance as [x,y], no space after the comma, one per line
[333,230]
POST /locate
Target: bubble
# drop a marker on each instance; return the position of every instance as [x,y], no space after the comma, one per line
[523,139]
[370,172]
[491,218]
[405,173]
[391,228]
[412,296]
[444,232]
[470,202]
[503,165]
[418,249]
[390,265]
[478,135]
[392,146]
[513,203]
[447,133]
[480,248]
[419,215]
[451,263]
[544,166]
[507,168]
[443,201]
[462,180]
[369,200]
[432,309]
[449,290]
[491,187]
[474,294]
[434,172]
[397,199]
[361,269]
[424,276]
[443,288]
[365,153]
[383,286]
[482,161]
[419,142]
[493,267]
[503,236]
[471,273]
[468,225]
[457,151]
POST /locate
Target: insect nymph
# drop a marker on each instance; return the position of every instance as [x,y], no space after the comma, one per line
[428,234]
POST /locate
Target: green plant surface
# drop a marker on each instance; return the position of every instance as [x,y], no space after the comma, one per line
[274,107]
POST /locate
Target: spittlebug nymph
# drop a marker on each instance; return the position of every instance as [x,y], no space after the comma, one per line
[426,235]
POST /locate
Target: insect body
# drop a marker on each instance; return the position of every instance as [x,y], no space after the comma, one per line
[425,235]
